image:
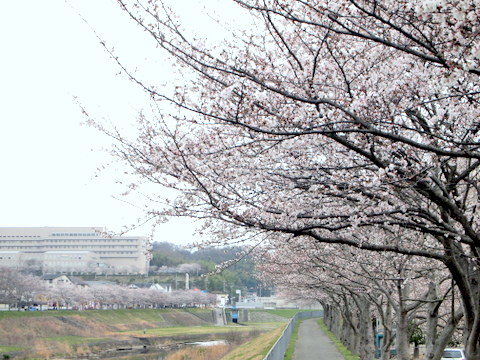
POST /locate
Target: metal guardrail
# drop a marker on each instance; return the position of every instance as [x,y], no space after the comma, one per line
[277,352]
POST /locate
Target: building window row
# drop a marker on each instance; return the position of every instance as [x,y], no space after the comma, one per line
[19,236]
[20,241]
[74,234]
[115,252]
[93,246]
[17,247]
[63,246]
[92,240]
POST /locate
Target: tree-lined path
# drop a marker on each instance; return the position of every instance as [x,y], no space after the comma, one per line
[341,139]
[313,343]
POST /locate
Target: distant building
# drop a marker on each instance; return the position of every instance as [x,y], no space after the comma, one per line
[166,288]
[83,250]
[54,281]
[221,299]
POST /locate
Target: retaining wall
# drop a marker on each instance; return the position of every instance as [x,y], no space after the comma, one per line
[277,352]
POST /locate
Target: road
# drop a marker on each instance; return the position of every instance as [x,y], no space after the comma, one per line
[314,344]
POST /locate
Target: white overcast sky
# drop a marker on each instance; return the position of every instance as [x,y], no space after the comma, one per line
[49,56]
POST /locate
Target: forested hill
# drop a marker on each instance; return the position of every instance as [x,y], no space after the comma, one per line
[168,258]
[171,255]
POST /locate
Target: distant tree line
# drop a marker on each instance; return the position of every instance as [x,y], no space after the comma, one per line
[19,291]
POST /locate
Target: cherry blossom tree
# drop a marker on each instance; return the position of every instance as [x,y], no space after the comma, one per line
[357,286]
[326,118]
[189,268]
[16,288]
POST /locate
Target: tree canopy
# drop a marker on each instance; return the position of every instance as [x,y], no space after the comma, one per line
[347,122]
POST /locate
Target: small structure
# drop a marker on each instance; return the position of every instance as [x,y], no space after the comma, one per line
[166,288]
[55,280]
[99,283]
[221,300]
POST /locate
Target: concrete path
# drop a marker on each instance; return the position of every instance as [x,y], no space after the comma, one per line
[314,344]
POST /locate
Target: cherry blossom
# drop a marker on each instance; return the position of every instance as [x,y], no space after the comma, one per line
[352,123]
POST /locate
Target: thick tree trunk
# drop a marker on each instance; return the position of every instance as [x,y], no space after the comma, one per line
[346,332]
[366,346]
[402,336]
[327,315]
[387,333]
[402,322]
[472,345]
[332,319]
[467,279]
[416,351]
[336,323]
[353,342]
[472,341]
[432,321]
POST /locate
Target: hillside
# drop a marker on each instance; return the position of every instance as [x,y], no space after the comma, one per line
[65,333]
[21,328]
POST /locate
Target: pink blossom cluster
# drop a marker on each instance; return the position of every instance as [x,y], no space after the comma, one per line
[349,124]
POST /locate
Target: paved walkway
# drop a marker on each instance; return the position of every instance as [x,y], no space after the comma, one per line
[314,344]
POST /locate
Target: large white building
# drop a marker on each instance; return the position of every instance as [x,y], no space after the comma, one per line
[73,250]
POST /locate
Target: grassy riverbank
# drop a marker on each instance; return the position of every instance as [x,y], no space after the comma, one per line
[50,334]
